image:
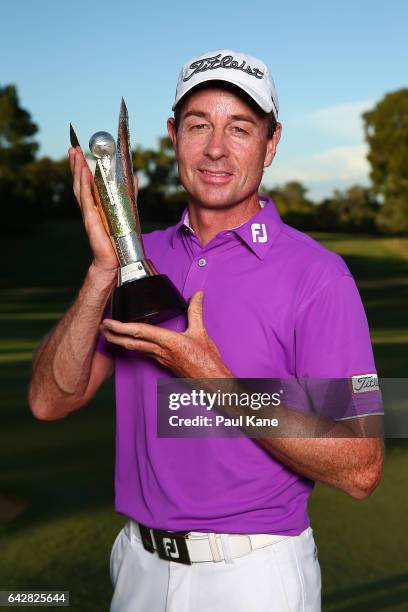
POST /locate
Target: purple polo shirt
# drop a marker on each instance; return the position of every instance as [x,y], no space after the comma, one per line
[277,304]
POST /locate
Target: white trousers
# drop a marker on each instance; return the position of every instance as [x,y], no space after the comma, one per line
[283,577]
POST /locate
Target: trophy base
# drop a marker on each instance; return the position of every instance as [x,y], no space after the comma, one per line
[152,299]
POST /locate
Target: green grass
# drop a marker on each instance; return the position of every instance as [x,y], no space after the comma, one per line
[363,544]
[380,267]
[63,470]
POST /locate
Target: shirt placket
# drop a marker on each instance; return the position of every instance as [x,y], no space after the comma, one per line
[198,271]
[202,261]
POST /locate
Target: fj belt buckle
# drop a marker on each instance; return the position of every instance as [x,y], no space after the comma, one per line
[170,546]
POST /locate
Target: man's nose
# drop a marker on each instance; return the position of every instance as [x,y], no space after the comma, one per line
[216,145]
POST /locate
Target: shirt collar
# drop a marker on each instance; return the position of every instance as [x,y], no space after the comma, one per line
[257,233]
[186,219]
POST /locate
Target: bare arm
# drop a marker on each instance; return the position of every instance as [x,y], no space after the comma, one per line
[353,464]
[66,369]
[346,454]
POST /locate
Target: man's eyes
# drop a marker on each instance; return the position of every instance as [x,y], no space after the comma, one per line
[203,126]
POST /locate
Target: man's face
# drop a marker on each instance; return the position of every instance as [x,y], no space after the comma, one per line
[221,148]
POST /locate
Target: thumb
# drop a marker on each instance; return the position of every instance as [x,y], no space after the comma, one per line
[195,312]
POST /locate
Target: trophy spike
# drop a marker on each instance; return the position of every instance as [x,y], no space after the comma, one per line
[123,126]
[73,137]
[123,108]
[101,197]
[75,143]
[124,166]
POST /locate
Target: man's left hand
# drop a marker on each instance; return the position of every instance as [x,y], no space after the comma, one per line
[189,354]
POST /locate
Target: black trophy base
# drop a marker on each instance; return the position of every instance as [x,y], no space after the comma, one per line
[152,299]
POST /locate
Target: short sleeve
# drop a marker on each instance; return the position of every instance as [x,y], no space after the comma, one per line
[102,345]
[333,350]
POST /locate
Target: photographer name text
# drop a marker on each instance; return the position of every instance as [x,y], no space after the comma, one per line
[221,421]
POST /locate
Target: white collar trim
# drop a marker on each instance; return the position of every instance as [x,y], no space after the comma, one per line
[187,219]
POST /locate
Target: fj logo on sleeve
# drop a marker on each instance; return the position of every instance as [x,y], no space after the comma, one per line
[170,546]
[362,383]
[259,232]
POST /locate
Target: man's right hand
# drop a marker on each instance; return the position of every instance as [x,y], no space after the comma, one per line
[103,252]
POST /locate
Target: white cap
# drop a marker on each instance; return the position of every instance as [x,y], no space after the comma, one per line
[244,71]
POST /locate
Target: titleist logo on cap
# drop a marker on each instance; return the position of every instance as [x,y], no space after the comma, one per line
[217,61]
[241,70]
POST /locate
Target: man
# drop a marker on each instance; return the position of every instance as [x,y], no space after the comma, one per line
[266,302]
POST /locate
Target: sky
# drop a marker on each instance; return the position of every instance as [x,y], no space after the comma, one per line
[330,60]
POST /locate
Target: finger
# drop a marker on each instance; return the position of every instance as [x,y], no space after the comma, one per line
[87,200]
[130,343]
[77,176]
[136,184]
[71,155]
[195,313]
[141,331]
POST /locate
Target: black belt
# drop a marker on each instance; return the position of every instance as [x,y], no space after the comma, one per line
[169,545]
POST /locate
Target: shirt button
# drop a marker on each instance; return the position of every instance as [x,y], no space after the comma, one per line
[202,262]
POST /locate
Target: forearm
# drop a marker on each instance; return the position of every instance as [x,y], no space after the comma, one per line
[328,451]
[350,464]
[347,455]
[62,364]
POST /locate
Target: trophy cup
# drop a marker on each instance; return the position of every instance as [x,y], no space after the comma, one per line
[142,294]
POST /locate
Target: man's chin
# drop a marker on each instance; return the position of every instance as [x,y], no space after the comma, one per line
[215,198]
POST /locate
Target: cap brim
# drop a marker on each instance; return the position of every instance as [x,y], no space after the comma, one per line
[266,105]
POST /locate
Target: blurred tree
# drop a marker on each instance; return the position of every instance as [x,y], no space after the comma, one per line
[51,194]
[291,196]
[17,149]
[293,205]
[352,210]
[386,131]
[161,198]
[158,166]
[17,146]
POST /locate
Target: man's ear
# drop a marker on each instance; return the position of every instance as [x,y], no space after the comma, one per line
[272,145]
[172,132]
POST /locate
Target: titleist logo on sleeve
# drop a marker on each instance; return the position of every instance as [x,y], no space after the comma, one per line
[212,63]
[362,383]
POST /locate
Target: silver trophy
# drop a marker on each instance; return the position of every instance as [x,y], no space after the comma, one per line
[142,293]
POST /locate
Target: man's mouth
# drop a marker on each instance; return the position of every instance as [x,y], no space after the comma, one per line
[215,177]
[214,173]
